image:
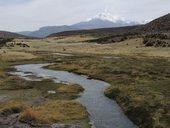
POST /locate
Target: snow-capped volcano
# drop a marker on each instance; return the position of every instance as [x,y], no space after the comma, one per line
[105,20]
[102,20]
[107,16]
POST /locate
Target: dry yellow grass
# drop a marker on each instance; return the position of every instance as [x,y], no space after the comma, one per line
[50,112]
[70,89]
[131,47]
[10,106]
[54,111]
[10,55]
[2,74]
[70,39]
[28,115]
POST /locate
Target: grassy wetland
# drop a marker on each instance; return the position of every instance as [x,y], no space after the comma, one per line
[139,77]
[31,101]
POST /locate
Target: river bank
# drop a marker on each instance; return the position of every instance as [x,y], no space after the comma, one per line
[25,103]
[104,113]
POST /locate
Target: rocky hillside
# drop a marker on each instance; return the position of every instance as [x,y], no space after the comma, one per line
[161,24]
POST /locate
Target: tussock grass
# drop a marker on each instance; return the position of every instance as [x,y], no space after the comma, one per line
[28,116]
[47,113]
[55,111]
[12,107]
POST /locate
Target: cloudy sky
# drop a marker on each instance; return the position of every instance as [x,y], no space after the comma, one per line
[20,15]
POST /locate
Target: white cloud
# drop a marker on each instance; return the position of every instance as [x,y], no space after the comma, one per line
[36,13]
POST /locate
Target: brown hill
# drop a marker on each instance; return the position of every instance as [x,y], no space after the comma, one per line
[161,24]
[5,34]
[103,32]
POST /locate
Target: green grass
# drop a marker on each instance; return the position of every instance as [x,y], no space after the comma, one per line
[12,107]
[15,83]
[64,92]
[48,85]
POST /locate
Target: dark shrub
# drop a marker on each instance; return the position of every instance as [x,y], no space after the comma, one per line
[3,41]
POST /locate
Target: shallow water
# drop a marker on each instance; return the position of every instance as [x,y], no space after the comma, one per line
[62,54]
[104,112]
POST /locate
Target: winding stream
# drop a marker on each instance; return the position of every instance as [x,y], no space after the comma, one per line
[104,112]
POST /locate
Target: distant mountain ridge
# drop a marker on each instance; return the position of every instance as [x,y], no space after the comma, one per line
[102,20]
[45,31]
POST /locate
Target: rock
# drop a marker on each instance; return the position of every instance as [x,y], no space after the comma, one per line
[64,126]
[10,120]
[20,125]
[52,92]
[3,98]
[92,125]
[38,101]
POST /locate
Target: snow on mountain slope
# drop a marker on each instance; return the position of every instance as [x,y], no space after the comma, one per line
[102,20]
[105,20]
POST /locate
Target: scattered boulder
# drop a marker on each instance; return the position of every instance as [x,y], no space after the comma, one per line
[156,40]
[21,125]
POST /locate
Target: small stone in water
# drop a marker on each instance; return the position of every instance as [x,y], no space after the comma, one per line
[52,92]
[63,126]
